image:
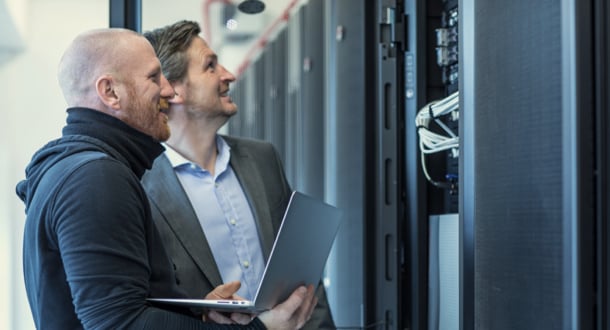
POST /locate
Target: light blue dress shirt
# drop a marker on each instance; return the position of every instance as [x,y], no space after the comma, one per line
[225,217]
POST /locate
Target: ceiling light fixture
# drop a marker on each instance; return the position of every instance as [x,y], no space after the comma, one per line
[251,6]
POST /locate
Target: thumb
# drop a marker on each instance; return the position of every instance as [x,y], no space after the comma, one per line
[295,300]
[224,291]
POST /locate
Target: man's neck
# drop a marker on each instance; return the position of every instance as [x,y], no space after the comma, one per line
[197,144]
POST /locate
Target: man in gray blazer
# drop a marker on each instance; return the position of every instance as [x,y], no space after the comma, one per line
[217,201]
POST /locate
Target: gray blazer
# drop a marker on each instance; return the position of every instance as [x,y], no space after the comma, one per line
[259,170]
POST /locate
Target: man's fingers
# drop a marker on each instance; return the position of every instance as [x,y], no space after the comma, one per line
[219,318]
[295,300]
[308,314]
[293,312]
[223,318]
[237,297]
[241,318]
[309,303]
[224,291]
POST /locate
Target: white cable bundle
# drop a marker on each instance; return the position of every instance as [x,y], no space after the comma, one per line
[431,142]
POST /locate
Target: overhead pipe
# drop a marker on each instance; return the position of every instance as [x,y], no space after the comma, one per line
[261,42]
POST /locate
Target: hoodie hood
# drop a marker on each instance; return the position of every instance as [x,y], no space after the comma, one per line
[90,130]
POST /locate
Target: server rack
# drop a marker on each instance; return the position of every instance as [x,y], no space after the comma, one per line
[387,218]
[535,164]
[349,75]
[601,39]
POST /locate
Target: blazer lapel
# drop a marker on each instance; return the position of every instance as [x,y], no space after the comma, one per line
[251,182]
[178,212]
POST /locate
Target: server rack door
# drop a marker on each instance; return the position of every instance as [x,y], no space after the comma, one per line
[312,145]
[386,215]
[293,98]
[275,93]
[516,151]
[602,85]
[347,141]
[526,164]
[261,87]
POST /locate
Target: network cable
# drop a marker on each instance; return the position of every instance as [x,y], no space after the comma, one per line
[432,142]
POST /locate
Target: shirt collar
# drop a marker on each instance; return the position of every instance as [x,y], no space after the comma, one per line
[222,161]
[174,157]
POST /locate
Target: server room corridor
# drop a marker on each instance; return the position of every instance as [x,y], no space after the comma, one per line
[465,141]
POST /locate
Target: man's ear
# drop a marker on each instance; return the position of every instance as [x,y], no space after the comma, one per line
[106,90]
[179,90]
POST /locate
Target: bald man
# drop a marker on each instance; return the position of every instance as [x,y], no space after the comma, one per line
[92,254]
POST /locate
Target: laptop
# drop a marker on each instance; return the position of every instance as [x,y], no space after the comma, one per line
[297,258]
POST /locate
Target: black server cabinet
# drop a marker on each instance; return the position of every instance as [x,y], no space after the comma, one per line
[238,92]
[261,87]
[602,122]
[534,108]
[386,214]
[275,92]
[293,98]
[429,66]
[512,158]
[348,76]
[311,116]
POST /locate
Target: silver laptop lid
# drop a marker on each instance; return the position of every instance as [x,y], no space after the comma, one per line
[300,250]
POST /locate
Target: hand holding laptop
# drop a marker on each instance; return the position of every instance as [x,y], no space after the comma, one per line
[226,292]
[290,314]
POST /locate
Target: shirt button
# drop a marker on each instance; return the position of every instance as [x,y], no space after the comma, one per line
[233,222]
[193,166]
[216,185]
[246,264]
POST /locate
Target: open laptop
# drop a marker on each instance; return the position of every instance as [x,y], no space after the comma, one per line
[297,258]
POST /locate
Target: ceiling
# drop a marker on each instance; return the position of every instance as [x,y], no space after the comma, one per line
[238,37]
[236,43]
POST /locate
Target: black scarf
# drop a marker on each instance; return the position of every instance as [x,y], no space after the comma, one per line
[137,148]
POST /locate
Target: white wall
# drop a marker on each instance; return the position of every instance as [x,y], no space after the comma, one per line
[33,112]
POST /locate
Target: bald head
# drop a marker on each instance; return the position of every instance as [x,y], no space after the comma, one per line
[92,54]
[116,71]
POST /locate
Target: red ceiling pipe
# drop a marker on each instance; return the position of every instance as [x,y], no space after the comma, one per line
[261,42]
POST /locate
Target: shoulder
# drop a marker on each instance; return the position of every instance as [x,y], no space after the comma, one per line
[98,187]
[101,187]
[160,169]
[97,173]
[247,144]
[75,165]
[96,164]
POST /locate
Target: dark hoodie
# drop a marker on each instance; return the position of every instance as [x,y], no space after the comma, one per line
[91,252]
